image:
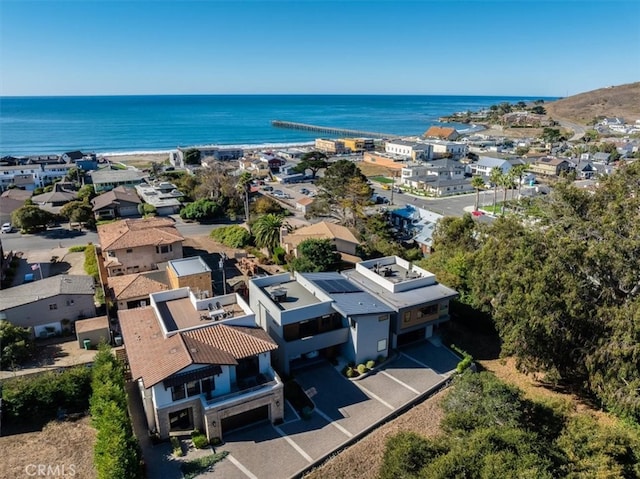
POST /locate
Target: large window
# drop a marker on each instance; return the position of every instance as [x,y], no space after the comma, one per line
[177,392]
[163,249]
[428,310]
[193,388]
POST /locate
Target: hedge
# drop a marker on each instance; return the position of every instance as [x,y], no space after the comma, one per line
[91,262]
[232,236]
[116,453]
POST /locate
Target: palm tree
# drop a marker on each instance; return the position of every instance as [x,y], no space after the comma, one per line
[243,185]
[518,172]
[266,231]
[506,181]
[495,178]
[478,183]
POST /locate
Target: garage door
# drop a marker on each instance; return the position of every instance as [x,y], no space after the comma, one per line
[411,337]
[245,418]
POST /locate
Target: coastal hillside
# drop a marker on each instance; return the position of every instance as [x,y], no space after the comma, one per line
[622,101]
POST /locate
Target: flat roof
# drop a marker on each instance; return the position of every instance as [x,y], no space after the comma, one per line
[189,266]
[297,295]
[178,314]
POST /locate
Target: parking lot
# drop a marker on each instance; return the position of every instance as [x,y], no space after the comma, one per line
[344,410]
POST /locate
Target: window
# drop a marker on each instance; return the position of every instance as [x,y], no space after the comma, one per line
[177,392]
[70,302]
[382,345]
[383,317]
[193,388]
[111,254]
[407,316]
[53,306]
[129,250]
[163,249]
[428,310]
[208,385]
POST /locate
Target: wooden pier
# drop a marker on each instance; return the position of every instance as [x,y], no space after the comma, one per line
[330,130]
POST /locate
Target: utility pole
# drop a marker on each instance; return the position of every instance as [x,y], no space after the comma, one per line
[223,257]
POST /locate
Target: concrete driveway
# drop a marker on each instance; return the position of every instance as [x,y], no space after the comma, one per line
[345,410]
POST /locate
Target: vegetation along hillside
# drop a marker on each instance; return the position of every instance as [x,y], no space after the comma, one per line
[622,101]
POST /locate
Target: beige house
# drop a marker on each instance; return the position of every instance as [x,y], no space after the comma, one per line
[137,245]
[346,243]
[133,290]
[441,132]
[93,330]
[549,166]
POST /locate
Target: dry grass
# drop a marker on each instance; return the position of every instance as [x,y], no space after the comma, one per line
[364,459]
[67,445]
[369,169]
[622,101]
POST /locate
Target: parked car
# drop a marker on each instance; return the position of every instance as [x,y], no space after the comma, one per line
[304,191]
[267,188]
[6,228]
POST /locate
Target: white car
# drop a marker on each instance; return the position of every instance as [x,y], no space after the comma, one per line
[6,228]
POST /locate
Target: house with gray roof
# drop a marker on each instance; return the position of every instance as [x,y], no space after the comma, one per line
[486,164]
[319,314]
[49,305]
[107,179]
[117,203]
[420,304]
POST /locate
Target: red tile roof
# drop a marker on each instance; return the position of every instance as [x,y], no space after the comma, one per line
[133,233]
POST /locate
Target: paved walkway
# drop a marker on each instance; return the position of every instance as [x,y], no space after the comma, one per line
[345,411]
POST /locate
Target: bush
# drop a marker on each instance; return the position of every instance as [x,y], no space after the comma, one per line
[351,373]
[91,262]
[201,209]
[371,364]
[196,467]
[232,236]
[278,255]
[362,368]
[200,441]
[77,249]
[177,447]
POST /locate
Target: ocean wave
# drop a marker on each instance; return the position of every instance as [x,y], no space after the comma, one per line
[252,146]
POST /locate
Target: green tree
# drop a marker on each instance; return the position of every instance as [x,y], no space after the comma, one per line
[313,161]
[86,193]
[199,210]
[538,110]
[15,344]
[265,205]
[30,218]
[506,182]
[518,171]
[77,212]
[551,135]
[244,185]
[266,231]
[343,191]
[478,184]
[320,252]
[192,156]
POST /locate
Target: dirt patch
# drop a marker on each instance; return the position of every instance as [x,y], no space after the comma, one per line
[65,449]
[363,460]
[496,130]
[369,169]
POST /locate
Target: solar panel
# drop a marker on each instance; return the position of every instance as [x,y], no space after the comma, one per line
[338,286]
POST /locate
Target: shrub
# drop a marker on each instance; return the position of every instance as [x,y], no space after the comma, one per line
[196,467]
[200,441]
[371,364]
[362,368]
[201,209]
[77,249]
[216,441]
[351,373]
[464,364]
[278,255]
[177,447]
[232,236]
[91,262]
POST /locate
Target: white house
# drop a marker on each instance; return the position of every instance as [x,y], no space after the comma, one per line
[201,362]
[486,164]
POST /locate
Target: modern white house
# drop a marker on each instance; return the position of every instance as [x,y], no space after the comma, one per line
[417,151]
[486,164]
[420,304]
[201,363]
[452,149]
[319,314]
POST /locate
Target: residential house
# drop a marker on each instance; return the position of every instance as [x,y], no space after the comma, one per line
[49,305]
[137,245]
[163,196]
[55,199]
[549,166]
[304,204]
[584,170]
[133,290]
[441,132]
[107,179]
[201,364]
[448,149]
[24,182]
[117,203]
[9,172]
[388,160]
[416,223]
[419,302]
[319,314]
[345,242]
[333,147]
[55,172]
[10,201]
[485,165]
[444,187]
[72,156]
[602,157]
[409,149]
[357,145]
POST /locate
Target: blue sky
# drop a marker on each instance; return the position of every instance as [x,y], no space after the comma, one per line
[517,47]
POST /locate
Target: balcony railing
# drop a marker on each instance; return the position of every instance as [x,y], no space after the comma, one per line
[250,388]
[317,342]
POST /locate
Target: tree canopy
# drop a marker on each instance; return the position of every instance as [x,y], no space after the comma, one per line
[30,218]
[316,255]
[313,161]
[564,292]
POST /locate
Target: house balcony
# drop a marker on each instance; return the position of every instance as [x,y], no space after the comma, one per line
[245,389]
[317,342]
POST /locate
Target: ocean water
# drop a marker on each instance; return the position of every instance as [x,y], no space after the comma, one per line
[124,124]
